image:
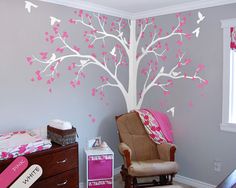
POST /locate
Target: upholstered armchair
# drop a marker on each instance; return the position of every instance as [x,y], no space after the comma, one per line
[142,157]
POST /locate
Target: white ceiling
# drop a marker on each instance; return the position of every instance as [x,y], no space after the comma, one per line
[136,6]
[135,9]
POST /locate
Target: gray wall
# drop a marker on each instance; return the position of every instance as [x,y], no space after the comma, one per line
[197,132]
[28,105]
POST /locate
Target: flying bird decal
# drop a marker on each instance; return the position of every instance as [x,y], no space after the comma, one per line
[172,110]
[200,17]
[196,32]
[53,20]
[29,5]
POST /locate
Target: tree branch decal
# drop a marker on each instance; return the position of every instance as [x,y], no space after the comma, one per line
[133,41]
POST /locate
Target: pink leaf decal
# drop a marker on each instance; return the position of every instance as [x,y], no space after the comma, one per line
[200,67]
[65,35]
[52,68]
[76,48]
[39,78]
[49,81]
[37,72]
[187,61]
[43,55]
[179,42]
[60,50]
[51,38]
[205,82]
[72,21]
[179,64]
[29,60]
[166,93]
[190,104]
[163,58]
[93,120]
[188,36]
[69,68]
[90,46]
[94,92]
[72,83]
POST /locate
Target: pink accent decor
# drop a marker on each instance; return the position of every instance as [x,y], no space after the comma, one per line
[157,125]
[164,123]
[100,166]
[233,38]
[13,171]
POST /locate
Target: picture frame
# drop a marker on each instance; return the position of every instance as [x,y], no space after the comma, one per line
[97,142]
[94,143]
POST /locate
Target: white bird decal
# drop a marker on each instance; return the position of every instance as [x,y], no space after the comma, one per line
[53,20]
[162,70]
[83,62]
[29,5]
[176,73]
[196,32]
[200,17]
[113,52]
[121,34]
[172,110]
[52,58]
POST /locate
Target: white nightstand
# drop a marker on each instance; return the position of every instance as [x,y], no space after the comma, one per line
[99,168]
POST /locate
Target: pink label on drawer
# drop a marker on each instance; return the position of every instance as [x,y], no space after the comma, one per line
[99,157]
[100,184]
[13,171]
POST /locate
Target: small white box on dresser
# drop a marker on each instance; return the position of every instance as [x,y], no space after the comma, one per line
[99,168]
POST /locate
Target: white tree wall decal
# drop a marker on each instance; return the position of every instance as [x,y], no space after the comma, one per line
[128,49]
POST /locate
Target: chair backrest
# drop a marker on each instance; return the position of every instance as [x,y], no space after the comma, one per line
[132,133]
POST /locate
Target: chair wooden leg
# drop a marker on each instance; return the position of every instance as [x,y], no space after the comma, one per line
[123,173]
[128,181]
[135,183]
[163,180]
[125,177]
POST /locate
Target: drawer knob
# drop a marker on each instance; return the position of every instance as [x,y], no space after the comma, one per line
[61,184]
[63,161]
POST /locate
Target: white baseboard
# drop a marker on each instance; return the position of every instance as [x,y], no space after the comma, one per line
[82,185]
[117,170]
[192,182]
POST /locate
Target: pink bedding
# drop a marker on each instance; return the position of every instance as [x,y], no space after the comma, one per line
[20,143]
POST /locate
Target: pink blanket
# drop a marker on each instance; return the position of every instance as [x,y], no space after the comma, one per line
[20,143]
[157,125]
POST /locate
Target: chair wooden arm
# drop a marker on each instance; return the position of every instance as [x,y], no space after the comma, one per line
[125,150]
[166,151]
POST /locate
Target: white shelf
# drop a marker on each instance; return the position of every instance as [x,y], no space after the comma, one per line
[99,152]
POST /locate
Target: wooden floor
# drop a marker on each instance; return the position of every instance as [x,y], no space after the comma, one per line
[119,184]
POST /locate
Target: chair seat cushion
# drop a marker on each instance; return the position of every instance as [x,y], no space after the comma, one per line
[152,168]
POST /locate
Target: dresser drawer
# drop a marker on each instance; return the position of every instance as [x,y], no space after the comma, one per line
[68,179]
[57,162]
